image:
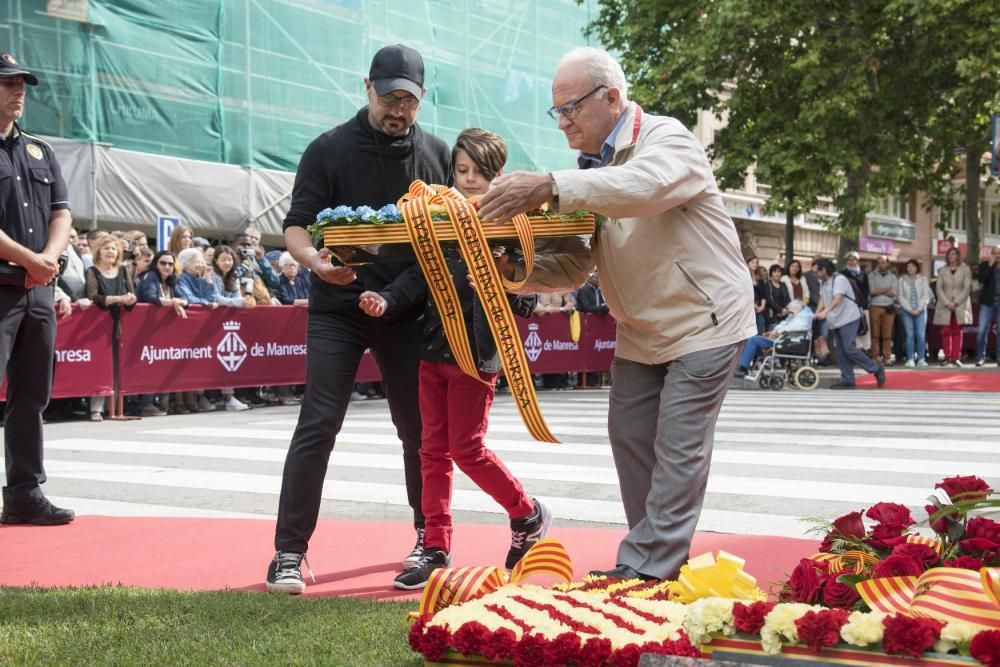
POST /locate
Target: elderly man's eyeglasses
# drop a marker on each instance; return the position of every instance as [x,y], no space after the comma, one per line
[571,110]
[405,103]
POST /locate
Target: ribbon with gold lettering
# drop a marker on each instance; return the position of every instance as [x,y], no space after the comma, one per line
[448,586]
[487,282]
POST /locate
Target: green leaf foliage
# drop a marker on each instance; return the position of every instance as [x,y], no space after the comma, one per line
[845,100]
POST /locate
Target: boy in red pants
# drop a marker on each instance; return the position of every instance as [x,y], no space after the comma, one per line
[453,406]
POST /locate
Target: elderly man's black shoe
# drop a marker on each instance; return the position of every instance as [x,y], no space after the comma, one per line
[622,572]
[37,512]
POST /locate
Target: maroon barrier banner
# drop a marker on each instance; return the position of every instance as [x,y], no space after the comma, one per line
[551,349]
[84,365]
[549,346]
[225,347]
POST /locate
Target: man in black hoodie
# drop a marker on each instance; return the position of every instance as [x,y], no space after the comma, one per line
[369,160]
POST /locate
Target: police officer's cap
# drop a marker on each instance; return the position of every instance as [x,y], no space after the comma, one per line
[397,67]
[9,66]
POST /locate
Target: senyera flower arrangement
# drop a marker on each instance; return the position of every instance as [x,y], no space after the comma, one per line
[590,626]
[818,607]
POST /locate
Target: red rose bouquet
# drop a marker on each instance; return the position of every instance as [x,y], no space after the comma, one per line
[883,541]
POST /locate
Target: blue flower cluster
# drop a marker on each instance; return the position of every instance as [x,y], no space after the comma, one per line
[363,214]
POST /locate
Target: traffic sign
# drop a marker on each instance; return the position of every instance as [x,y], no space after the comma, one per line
[164,226]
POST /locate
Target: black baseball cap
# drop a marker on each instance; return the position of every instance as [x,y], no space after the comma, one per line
[397,67]
[10,67]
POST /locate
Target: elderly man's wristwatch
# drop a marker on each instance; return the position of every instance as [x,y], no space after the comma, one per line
[555,193]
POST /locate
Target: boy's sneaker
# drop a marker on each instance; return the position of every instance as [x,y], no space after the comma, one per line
[526,531]
[417,552]
[910,363]
[416,577]
[980,362]
[205,405]
[922,363]
[284,574]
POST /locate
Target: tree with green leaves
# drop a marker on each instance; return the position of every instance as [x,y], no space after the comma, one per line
[966,94]
[821,99]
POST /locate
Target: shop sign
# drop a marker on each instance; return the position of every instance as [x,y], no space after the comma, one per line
[897,231]
[877,246]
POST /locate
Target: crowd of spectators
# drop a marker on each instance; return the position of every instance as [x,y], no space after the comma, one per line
[116,270]
[899,302]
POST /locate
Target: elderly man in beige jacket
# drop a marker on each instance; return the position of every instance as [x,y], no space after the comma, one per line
[674,278]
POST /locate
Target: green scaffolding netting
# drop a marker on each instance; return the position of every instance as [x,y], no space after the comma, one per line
[251,82]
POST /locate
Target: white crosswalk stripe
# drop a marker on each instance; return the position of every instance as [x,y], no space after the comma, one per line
[778,456]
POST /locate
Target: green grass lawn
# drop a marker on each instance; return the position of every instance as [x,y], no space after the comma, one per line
[132,626]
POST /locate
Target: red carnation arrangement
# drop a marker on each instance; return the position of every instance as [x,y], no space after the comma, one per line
[749,618]
[985,648]
[905,635]
[821,628]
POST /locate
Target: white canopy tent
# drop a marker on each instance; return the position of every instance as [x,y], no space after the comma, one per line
[112,188]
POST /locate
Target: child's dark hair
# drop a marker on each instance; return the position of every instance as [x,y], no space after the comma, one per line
[487,149]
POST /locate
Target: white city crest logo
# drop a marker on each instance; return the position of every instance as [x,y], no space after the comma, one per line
[231,350]
[533,343]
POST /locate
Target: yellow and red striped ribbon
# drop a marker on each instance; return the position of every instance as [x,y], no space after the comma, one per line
[488,285]
[545,557]
[416,213]
[853,561]
[932,542]
[448,586]
[946,594]
[990,579]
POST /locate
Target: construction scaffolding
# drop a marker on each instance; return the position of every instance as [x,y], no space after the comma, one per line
[249,83]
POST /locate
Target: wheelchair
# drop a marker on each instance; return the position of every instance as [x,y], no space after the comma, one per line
[789,361]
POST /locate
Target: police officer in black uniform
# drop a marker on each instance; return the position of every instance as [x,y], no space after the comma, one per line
[34,230]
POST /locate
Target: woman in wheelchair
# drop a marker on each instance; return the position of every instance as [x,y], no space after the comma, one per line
[799,320]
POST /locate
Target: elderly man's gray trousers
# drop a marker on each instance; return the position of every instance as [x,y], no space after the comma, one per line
[662,426]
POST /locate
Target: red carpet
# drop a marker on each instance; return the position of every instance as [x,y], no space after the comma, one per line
[211,554]
[936,380]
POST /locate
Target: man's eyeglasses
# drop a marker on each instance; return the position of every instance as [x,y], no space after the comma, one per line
[571,110]
[405,103]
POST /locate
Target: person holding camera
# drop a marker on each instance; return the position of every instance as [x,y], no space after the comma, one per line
[882,283]
[254,258]
[34,230]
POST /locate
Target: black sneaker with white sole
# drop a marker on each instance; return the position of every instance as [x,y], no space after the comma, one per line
[284,574]
[417,552]
[416,577]
[526,531]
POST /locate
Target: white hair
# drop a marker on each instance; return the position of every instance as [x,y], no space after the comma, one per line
[601,66]
[188,255]
[285,259]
